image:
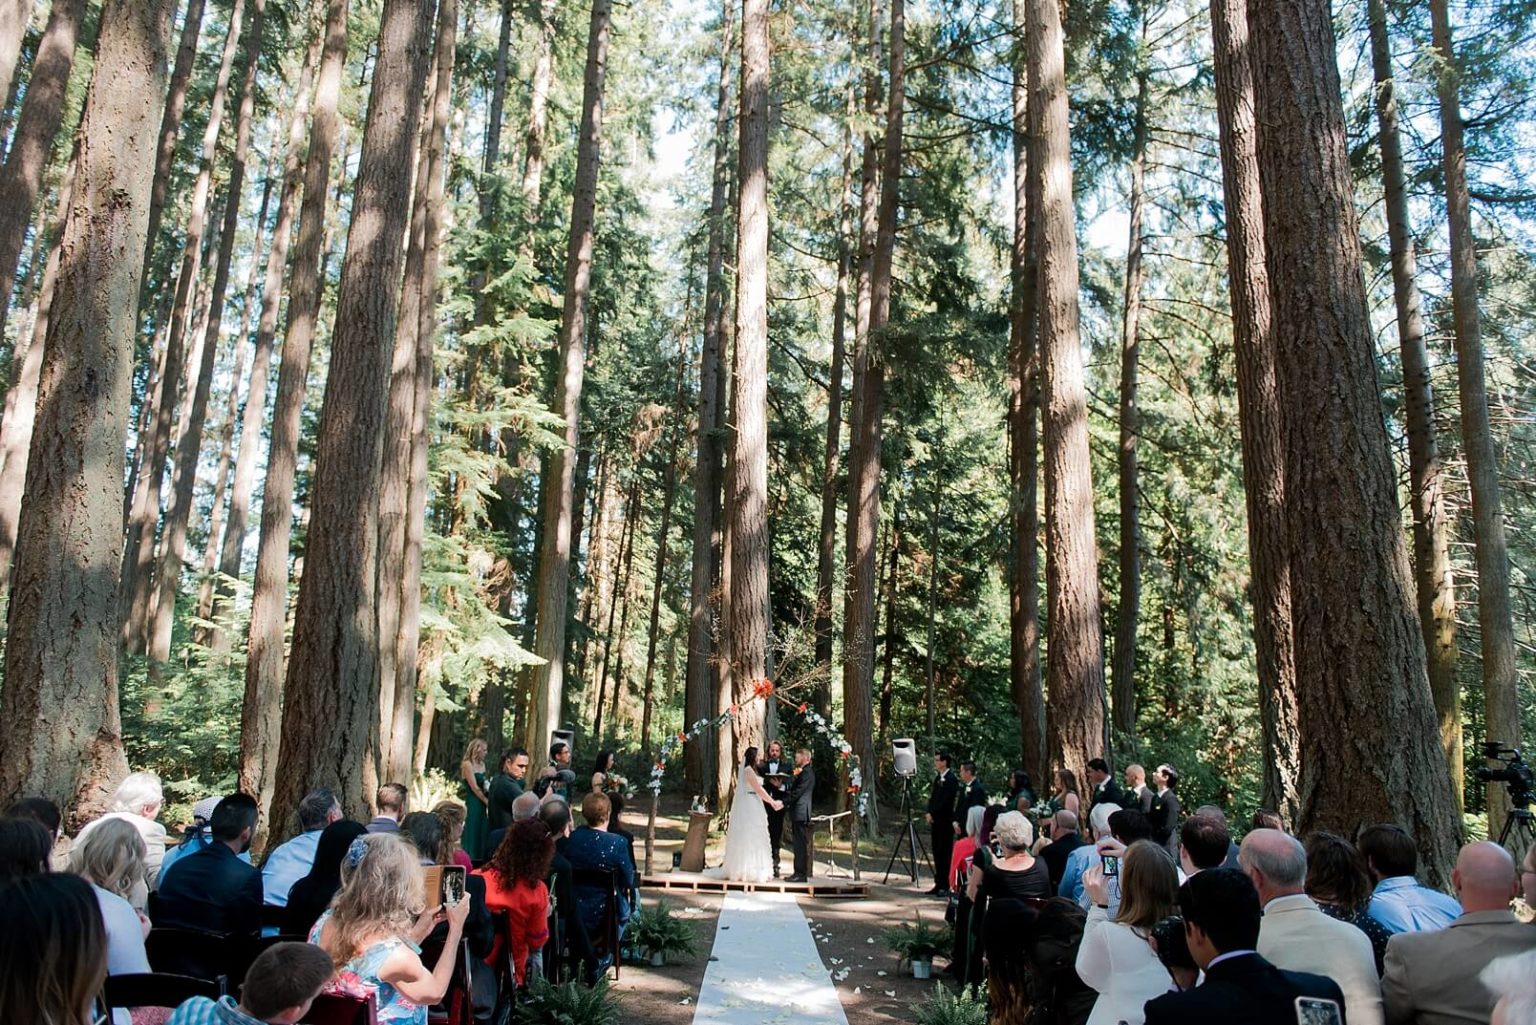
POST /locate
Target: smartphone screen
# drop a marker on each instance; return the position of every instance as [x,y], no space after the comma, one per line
[1111,866]
[453,884]
[1318,1011]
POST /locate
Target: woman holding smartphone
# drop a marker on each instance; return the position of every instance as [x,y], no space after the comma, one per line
[1115,957]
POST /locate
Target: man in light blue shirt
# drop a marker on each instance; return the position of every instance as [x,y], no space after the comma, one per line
[1399,903]
[1087,856]
[292,861]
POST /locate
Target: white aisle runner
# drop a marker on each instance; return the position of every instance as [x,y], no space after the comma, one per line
[768,970]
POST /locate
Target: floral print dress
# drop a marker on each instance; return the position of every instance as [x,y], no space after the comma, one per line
[360,976]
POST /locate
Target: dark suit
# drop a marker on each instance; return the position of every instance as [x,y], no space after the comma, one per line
[1246,990]
[212,890]
[779,791]
[942,798]
[1142,799]
[1165,821]
[1107,792]
[972,795]
[798,803]
[1055,853]
[504,790]
[578,943]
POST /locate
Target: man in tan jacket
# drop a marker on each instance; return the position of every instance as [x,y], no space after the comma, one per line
[1432,977]
[1295,936]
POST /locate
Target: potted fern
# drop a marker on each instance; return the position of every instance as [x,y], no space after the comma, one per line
[657,932]
[917,944]
[566,1003]
[943,1007]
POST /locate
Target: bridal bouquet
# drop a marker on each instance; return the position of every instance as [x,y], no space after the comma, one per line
[613,783]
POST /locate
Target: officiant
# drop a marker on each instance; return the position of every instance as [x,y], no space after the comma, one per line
[776,772]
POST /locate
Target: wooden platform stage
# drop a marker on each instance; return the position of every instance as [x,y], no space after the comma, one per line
[696,882]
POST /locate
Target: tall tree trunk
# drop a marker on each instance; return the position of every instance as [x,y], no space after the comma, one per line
[538,106]
[700,672]
[888,667]
[170,126]
[13,28]
[861,523]
[617,589]
[332,689]
[138,591]
[663,537]
[747,473]
[1501,698]
[1128,615]
[41,112]
[255,412]
[1024,439]
[1432,575]
[173,544]
[1259,410]
[558,478]
[826,559]
[261,707]
[626,573]
[21,401]
[490,162]
[1075,678]
[59,720]
[1369,742]
[406,642]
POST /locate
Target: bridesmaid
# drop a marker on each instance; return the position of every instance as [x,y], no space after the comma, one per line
[472,772]
[601,770]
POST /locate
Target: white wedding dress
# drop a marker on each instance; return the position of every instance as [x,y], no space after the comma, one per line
[748,858]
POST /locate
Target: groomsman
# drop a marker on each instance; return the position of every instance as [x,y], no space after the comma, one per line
[1137,793]
[943,795]
[1105,789]
[973,794]
[776,771]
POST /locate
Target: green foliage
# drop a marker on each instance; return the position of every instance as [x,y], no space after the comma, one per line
[658,931]
[568,1003]
[945,1007]
[918,941]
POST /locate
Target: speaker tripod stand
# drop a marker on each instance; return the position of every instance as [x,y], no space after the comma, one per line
[909,837]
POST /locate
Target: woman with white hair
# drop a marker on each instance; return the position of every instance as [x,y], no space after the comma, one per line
[1013,871]
[137,801]
[1512,980]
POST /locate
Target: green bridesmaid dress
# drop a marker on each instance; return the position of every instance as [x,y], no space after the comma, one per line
[475,824]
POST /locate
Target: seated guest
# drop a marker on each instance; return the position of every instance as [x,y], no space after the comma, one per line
[213,890]
[45,812]
[291,861]
[373,930]
[194,838]
[1512,981]
[964,851]
[1221,925]
[1064,840]
[390,800]
[1017,873]
[1432,975]
[1203,842]
[1006,934]
[525,807]
[1266,819]
[426,835]
[111,859]
[137,800]
[312,894]
[1051,948]
[966,942]
[591,846]
[1398,902]
[424,832]
[24,849]
[53,950]
[453,816]
[1221,817]
[1114,957]
[515,884]
[1338,882]
[279,988]
[1124,827]
[556,817]
[1296,936]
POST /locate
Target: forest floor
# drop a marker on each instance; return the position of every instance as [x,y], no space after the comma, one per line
[849,933]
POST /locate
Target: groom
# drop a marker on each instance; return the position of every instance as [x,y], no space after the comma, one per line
[798,801]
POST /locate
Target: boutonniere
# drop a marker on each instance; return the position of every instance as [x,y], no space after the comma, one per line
[796,772]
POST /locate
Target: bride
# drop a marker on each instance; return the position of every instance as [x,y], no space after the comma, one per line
[747,857]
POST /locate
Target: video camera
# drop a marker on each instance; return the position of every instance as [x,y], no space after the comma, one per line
[1515,775]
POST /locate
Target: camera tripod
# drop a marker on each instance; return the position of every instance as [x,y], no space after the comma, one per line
[909,836]
[1523,824]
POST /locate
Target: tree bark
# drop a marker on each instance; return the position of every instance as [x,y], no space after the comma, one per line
[538,106]
[1259,410]
[170,126]
[495,108]
[255,412]
[1501,697]
[138,591]
[1434,584]
[663,537]
[888,666]
[1369,743]
[59,720]
[41,112]
[173,543]
[700,674]
[1128,615]
[261,708]
[1024,439]
[1075,678]
[559,482]
[13,28]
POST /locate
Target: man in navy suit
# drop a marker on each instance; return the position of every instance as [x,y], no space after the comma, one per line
[1221,925]
[798,802]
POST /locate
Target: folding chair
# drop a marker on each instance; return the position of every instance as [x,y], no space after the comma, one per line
[157,989]
[605,881]
[457,1008]
[342,1010]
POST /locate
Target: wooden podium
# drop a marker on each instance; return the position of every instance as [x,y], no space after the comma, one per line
[696,841]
